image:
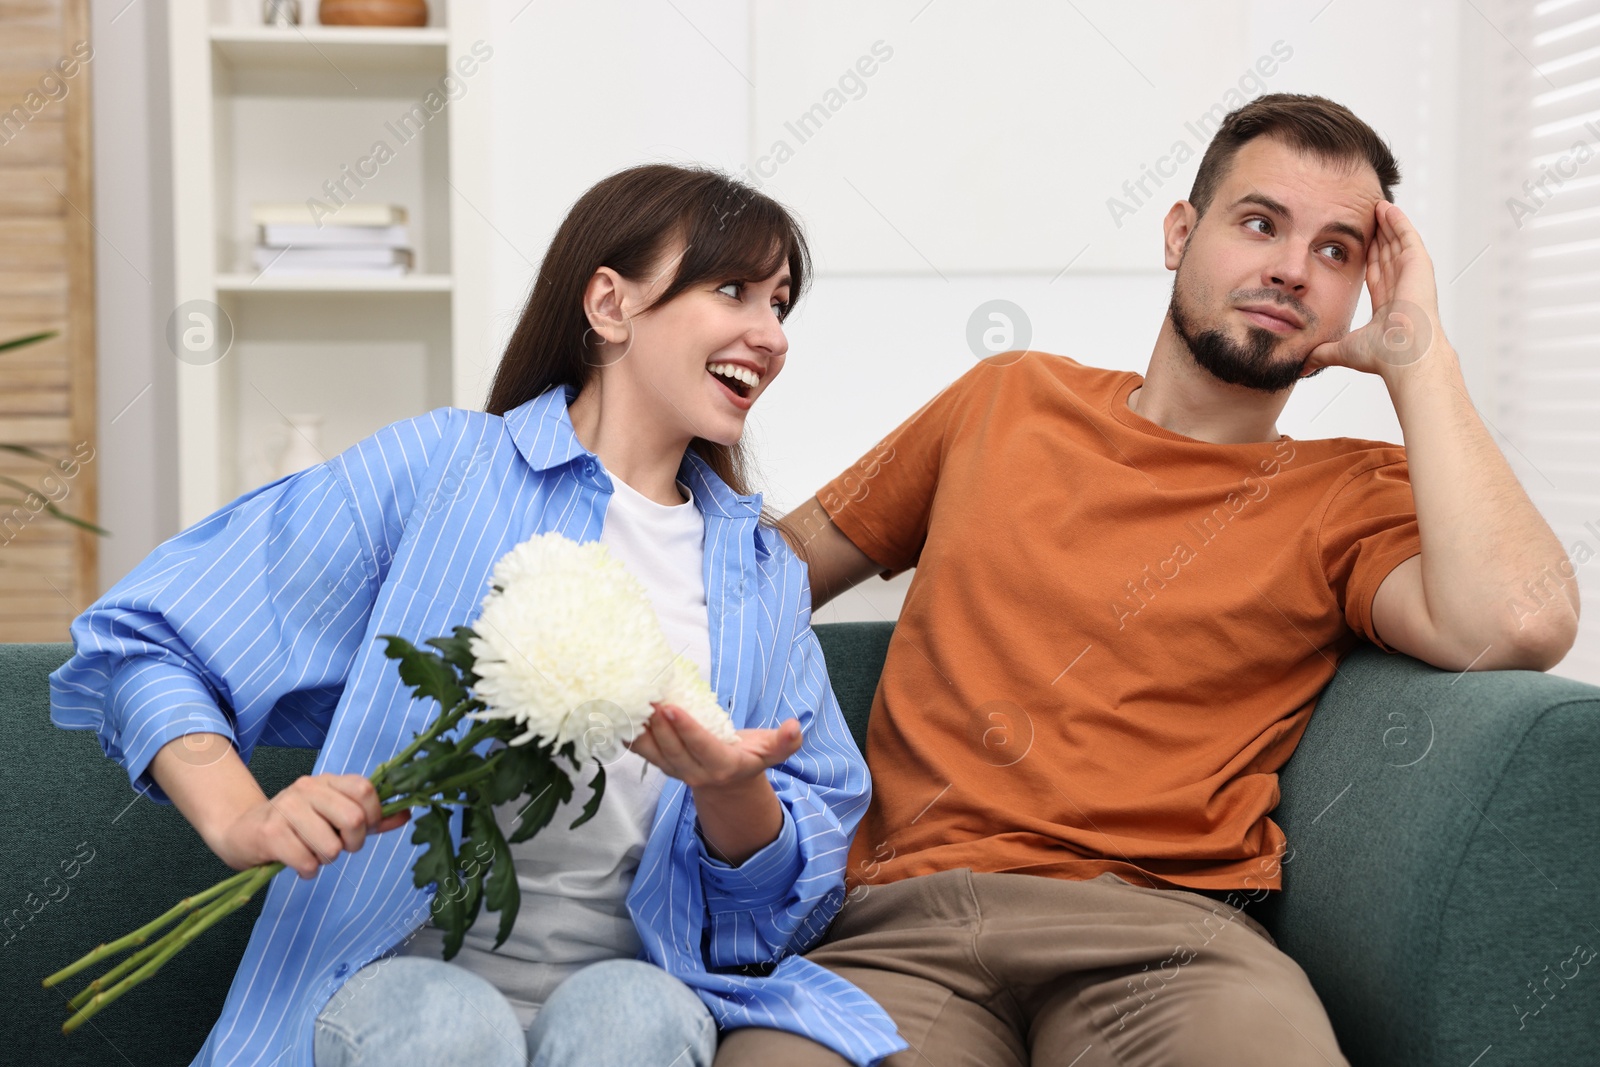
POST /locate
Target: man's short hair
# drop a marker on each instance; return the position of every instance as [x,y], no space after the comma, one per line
[1312,124]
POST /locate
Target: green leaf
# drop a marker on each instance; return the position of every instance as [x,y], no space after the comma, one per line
[449,914]
[28,340]
[457,652]
[427,673]
[514,767]
[436,761]
[82,524]
[598,784]
[48,505]
[31,453]
[440,866]
[549,788]
[476,854]
[503,894]
[436,864]
[414,773]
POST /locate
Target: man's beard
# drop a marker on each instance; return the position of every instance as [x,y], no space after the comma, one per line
[1248,363]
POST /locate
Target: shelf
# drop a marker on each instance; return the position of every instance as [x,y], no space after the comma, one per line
[333,48]
[332,283]
[271,114]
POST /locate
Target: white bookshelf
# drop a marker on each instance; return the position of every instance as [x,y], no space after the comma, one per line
[421,49]
[332,283]
[272,114]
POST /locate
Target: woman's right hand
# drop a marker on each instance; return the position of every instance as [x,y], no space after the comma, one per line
[306,825]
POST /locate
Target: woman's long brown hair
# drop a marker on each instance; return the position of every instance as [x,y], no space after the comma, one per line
[627,222]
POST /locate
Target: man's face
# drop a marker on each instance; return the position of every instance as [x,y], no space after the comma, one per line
[1275,266]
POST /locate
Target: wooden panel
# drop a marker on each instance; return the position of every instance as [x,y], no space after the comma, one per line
[20,11]
[34,283]
[34,581]
[31,46]
[47,567]
[36,432]
[47,309]
[25,629]
[43,602]
[22,554]
[33,192]
[34,533]
[36,144]
[17,84]
[31,244]
[33,375]
[33,402]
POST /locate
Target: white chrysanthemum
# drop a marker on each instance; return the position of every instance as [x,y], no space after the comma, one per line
[566,630]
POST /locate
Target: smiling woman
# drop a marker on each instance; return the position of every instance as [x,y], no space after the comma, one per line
[666,316]
[710,863]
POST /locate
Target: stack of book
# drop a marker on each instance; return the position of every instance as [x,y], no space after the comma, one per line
[367,239]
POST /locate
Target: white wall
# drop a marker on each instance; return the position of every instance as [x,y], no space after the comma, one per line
[976,161]
[136,386]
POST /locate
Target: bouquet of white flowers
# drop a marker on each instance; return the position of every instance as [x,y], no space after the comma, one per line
[566,650]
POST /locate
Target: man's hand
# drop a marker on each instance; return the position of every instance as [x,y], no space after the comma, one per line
[739,812]
[1405,304]
[1492,588]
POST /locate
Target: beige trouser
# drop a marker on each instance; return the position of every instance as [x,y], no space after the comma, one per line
[995,970]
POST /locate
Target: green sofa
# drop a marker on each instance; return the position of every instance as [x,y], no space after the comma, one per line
[1443,890]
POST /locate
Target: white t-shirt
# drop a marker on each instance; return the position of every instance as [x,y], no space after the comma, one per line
[575,882]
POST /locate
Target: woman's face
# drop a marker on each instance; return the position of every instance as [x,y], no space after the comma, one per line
[704,358]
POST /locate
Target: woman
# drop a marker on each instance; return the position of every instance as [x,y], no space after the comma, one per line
[616,413]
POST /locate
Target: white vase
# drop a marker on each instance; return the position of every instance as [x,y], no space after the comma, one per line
[302,445]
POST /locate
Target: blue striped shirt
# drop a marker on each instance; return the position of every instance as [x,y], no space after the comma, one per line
[260,623]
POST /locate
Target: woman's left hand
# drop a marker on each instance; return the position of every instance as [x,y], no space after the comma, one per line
[680,746]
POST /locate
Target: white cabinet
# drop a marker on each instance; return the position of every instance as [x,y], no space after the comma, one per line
[334,115]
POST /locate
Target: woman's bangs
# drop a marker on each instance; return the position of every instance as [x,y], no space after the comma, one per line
[746,240]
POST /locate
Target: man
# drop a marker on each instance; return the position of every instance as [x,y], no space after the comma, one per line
[1129,592]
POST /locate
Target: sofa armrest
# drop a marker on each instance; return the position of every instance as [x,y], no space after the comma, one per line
[1443,888]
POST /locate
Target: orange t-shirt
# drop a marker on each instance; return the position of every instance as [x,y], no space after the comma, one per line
[1115,634]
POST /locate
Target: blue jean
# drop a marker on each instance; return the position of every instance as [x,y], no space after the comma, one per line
[418,1011]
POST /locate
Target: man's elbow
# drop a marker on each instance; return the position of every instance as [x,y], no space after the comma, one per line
[1539,640]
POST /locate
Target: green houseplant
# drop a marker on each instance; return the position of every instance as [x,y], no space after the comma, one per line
[34,454]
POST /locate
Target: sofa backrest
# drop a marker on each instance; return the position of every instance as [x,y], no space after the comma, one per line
[855,652]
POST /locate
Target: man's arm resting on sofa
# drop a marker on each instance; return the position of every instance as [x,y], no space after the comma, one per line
[834,561]
[1468,601]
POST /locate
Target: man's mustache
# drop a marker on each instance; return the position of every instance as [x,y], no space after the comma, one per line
[1275,296]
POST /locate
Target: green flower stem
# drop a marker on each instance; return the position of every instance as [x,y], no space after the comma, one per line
[437,727]
[140,935]
[201,910]
[460,781]
[478,732]
[466,778]
[222,907]
[419,800]
[155,943]
[107,980]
